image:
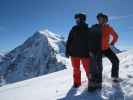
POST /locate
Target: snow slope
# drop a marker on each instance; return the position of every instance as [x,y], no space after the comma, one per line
[38,55]
[58,85]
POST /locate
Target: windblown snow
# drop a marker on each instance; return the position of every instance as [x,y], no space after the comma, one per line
[58,85]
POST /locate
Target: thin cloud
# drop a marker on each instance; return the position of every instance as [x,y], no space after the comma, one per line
[120,17]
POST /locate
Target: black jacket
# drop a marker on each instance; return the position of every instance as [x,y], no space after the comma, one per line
[96,38]
[82,40]
[77,43]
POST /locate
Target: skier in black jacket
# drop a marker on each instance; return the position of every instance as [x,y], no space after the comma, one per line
[77,48]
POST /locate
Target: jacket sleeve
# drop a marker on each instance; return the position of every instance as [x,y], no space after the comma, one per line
[114,35]
[68,43]
[95,38]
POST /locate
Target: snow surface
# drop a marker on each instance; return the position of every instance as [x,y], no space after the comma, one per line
[58,85]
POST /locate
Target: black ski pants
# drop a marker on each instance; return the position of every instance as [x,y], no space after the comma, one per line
[114,60]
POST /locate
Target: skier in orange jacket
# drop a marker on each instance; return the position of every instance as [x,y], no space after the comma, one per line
[96,68]
[108,31]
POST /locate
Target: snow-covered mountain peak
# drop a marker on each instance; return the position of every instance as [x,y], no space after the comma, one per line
[56,41]
[36,56]
[50,34]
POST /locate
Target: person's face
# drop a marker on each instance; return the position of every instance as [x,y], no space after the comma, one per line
[101,21]
[105,21]
[77,20]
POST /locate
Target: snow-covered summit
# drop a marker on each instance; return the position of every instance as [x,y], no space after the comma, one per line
[50,34]
[55,40]
[36,56]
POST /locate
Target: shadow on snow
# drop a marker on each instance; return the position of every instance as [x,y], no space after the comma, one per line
[117,94]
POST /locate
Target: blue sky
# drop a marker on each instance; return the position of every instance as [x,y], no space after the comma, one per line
[19,19]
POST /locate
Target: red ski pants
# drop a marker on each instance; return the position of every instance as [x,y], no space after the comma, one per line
[76,68]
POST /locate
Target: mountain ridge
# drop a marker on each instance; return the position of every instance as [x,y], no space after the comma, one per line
[35,57]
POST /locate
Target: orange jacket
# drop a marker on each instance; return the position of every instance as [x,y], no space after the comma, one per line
[107,32]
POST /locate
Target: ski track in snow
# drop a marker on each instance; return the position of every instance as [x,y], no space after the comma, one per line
[58,85]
